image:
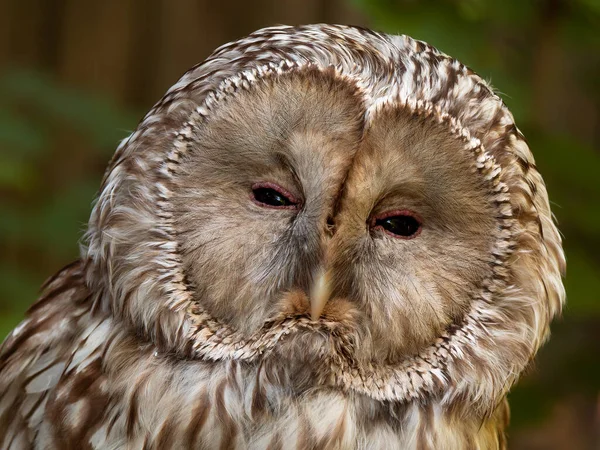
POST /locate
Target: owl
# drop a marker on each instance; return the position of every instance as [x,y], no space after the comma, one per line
[321,237]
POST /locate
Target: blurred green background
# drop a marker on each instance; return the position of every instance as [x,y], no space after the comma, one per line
[76,76]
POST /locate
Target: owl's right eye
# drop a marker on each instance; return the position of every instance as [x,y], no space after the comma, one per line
[271,195]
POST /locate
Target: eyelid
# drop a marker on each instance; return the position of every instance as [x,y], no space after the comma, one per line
[295,203]
[395,212]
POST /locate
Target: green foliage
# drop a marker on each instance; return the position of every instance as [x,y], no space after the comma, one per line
[45,196]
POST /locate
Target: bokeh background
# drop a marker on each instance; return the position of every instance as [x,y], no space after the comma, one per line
[76,76]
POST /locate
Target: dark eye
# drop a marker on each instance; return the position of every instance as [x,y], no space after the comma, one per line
[273,196]
[401,224]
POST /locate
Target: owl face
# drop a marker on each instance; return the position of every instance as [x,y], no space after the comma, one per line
[292,178]
[257,189]
[329,192]
[416,231]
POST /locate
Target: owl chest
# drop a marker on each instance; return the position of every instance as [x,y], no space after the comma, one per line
[226,407]
[126,395]
[219,414]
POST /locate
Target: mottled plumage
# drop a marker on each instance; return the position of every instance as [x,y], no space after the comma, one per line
[368,174]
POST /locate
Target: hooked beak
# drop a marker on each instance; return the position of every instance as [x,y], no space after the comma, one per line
[320,292]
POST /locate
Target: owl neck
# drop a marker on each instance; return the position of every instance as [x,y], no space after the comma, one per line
[270,403]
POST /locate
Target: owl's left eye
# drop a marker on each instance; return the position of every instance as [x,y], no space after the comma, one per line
[401,224]
[271,195]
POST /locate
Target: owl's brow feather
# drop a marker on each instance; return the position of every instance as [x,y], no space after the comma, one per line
[405,188]
[283,161]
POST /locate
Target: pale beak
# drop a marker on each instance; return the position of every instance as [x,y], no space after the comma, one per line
[319,293]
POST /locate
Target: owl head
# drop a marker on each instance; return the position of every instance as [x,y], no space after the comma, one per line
[354,201]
